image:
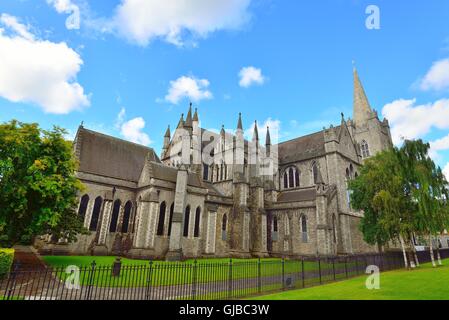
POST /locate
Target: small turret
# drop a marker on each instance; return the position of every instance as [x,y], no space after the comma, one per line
[256,133]
[195,116]
[181,122]
[166,142]
[188,123]
[268,142]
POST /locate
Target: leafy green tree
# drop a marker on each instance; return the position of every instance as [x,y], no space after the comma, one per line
[427,185]
[379,191]
[38,187]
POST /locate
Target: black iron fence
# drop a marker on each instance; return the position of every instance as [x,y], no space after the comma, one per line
[205,280]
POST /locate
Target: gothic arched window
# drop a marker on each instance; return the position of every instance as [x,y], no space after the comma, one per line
[126,216]
[196,230]
[114,217]
[224,223]
[170,218]
[186,222]
[285,180]
[291,178]
[364,148]
[304,228]
[160,224]
[275,224]
[83,206]
[95,214]
[205,172]
[315,172]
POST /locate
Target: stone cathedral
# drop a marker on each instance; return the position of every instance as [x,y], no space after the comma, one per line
[211,195]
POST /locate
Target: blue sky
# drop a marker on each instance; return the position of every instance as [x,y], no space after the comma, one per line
[129,68]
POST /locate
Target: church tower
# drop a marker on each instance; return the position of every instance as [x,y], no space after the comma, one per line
[371,134]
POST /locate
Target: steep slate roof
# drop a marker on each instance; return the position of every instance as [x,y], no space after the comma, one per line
[111,157]
[302,148]
[297,195]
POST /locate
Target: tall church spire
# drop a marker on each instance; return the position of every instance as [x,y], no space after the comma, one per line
[362,109]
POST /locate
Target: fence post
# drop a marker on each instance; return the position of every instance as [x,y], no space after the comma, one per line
[91,280]
[149,279]
[283,273]
[194,279]
[356,265]
[230,279]
[319,268]
[303,273]
[259,276]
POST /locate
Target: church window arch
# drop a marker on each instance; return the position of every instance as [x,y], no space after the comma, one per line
[126,216]
[95,214]
[224,226]
[304,233]
[364,148]
[186,222]
[160,224]
[196,230]
[115,215]
[314,172]
[291,178]
[205,172]
[170,218]
[83,206]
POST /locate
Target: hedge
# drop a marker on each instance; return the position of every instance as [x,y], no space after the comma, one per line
[6,258]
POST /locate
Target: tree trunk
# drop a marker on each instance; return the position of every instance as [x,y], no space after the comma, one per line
[440,263]
[414,252]
[431,251]
[403,252]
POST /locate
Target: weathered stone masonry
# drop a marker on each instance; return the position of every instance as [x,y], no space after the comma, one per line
[172,207]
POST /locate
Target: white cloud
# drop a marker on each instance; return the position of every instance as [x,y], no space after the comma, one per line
[132,130]
[39,71]
[411,121]
[120,118]
[250,76]
[67,7]
[15,26]
[439,145]
[446,171]
[437,78]
[188,87]
[141,21]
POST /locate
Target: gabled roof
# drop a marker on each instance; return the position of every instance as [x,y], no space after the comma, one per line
[302,148]
[297,195]
[108,156]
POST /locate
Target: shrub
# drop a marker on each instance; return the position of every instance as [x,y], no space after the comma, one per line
[6,258]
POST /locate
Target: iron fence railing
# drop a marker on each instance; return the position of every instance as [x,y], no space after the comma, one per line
[202,280]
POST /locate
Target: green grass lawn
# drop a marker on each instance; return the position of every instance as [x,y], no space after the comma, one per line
[162,273]
[423,283]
